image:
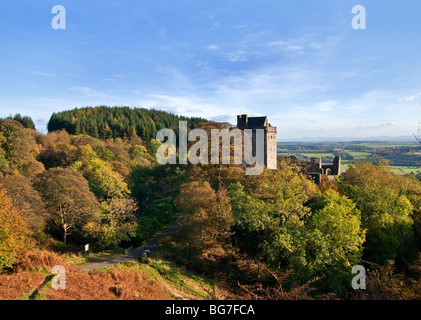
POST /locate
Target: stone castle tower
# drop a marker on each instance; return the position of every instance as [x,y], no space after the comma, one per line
[317,169]
[270,147]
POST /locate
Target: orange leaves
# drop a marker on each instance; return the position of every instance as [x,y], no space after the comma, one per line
[13,232]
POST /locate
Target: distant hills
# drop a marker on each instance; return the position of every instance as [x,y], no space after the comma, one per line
[350,139]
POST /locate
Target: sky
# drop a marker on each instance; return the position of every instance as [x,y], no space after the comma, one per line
[300,62]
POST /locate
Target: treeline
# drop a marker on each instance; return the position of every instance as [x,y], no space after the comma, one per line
[25,121]
[117,122]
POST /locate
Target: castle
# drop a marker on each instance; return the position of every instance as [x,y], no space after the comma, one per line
[317,169]
[270,146]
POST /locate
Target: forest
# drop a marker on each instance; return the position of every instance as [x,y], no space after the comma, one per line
[93,178]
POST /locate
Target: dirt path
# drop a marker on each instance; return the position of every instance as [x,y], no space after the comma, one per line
[133,255]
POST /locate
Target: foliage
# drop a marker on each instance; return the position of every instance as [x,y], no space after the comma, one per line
[25,121]
[387,203]
[13,233]
[70,203]
[154,218]
[118,221]
[333,242]
[150,184]
[27,199]
[124,122]
[207,218]
[270,217]
[104,182]
[18,150]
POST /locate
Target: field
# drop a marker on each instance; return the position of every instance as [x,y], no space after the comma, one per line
[403,157]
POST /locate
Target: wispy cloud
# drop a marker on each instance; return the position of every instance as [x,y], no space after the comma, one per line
[285,45]
[88,91]
[45,74]
[212,47]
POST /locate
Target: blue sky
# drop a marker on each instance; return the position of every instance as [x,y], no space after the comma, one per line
[298,61]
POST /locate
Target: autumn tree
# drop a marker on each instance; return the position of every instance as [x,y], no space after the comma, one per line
[70,203]
[4,163]
[13,232]
[207,218]
[58,150]
[27,199]
[19,149]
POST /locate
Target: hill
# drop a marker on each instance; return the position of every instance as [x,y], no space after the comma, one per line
[117,122]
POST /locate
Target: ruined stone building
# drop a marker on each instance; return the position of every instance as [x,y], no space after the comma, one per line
[317,169]
[270,146]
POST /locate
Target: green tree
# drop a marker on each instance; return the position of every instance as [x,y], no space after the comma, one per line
[386,211]
[333,242]
[270,216]
[103,180]
[118,217]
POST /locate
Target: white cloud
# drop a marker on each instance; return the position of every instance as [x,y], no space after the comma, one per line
[410,98]
[294,48]
[279,43]
[212,47]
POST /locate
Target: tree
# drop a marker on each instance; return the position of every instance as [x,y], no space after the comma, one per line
[118,220]
[19,148]
[4,164]
[103,180]
[387,203]
[27,199]
[14,233]
[207,218]
[270,214]
[69,201]
[333,242]
[26,121]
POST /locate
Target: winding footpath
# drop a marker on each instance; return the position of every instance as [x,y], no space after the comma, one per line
[133,255]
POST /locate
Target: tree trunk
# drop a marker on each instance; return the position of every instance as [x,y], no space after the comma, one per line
[64,234]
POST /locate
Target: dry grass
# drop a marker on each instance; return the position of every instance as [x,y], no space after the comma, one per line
[38,259]
[118,283]
[14,286]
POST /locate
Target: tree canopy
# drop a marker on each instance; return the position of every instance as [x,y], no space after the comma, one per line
[117,122]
